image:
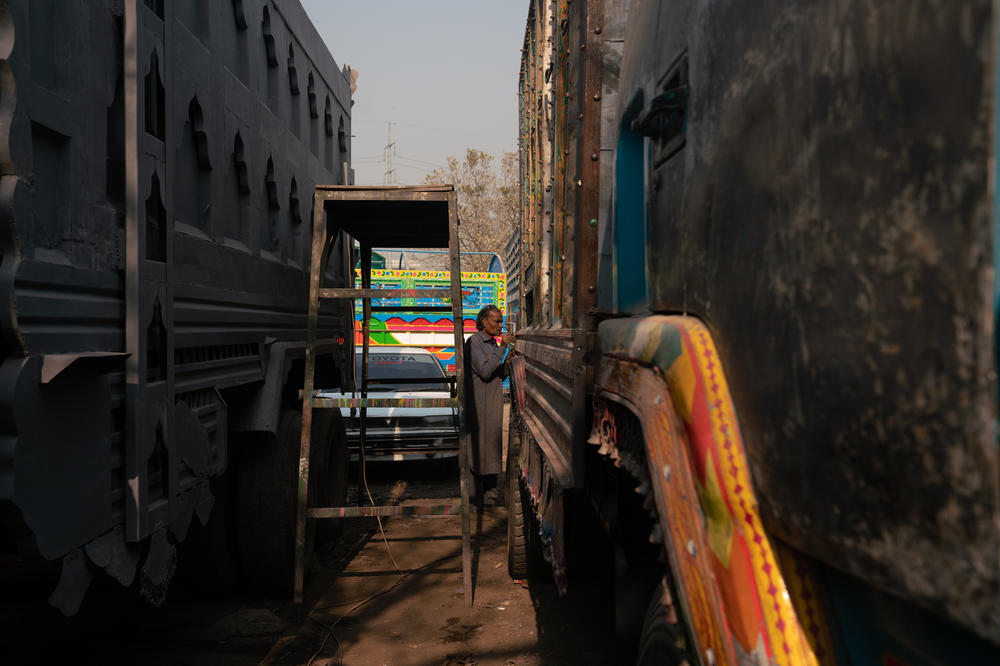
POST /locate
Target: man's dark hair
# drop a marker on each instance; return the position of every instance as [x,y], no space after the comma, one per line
[481,317]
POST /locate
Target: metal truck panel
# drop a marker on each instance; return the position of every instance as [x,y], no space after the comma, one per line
[561,103]
[156,168]
[827,210]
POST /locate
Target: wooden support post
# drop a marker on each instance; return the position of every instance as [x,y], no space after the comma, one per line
[366,308]
[317,264]
[463,433]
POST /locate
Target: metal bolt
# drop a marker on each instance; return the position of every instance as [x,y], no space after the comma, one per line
[597,30]
[579,116]
[590,288]
[597,97]
[594,157]
[579,182]
[583,47]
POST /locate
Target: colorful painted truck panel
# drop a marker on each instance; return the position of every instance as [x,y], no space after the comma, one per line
[431,330]
[758,335]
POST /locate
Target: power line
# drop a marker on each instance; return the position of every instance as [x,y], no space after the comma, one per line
[414,159]
[410,166]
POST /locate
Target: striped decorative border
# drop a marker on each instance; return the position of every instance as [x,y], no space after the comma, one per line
[789,645]
[755,599]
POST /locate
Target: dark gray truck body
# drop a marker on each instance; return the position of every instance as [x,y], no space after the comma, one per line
[157,161]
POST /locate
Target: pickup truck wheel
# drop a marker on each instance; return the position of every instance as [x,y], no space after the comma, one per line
[266,493]
[663,640]
[524,544]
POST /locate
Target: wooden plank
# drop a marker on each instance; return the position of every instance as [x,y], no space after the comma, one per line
[432,510]
[316,269]
[357,190]
[376,403]
[376,196]
[589,174]
[366,283]
[465,475]
[411,380]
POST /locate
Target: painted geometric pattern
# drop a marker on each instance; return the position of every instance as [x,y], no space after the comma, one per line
[431,331]
[478,289]
[758,609]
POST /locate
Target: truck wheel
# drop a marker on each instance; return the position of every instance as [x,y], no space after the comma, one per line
[267,482]
[330,480]
[524,544]
[206,564]
[663,640]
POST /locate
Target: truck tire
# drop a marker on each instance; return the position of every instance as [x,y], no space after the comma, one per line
[335,475]
[266,494]
[524,544]
[206,565]
[663,639]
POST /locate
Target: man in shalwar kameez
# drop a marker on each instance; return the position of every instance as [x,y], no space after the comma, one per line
[486,370]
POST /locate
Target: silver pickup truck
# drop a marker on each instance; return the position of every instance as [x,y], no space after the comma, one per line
[402,433]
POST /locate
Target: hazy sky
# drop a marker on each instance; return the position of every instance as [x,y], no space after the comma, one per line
[444,72]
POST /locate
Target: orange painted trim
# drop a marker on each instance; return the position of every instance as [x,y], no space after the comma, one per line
[644,393]
[755,607]
[808,603]
[788,643]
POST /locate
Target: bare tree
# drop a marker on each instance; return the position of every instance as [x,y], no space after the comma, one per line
[487,200]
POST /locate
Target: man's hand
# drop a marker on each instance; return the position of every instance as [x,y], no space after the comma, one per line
[509,339]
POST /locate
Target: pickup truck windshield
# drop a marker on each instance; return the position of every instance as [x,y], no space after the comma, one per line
[402,365]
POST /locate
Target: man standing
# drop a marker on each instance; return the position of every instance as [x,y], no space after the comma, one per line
[484,399]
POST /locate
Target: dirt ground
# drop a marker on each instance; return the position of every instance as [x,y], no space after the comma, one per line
[396,601]
[415,612]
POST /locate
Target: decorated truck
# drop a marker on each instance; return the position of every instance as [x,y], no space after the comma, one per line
[431,330]
[757,369]
[156,171]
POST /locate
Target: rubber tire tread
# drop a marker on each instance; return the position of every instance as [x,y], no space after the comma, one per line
[335,477]
[206,562]
[267,495]
[663,637]
[524,544]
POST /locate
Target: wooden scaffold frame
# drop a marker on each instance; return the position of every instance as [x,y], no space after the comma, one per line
[395,217]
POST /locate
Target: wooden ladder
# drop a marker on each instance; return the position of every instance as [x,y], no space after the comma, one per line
[310,400]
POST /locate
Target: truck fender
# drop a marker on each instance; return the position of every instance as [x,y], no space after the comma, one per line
[732,593]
